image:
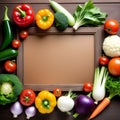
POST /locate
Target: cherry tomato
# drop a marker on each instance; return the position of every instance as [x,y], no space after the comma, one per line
[23,34]
[27,97]
[103,60]
[114,66]
[111,26]
[87,87]
[16,43]
[57,92]
[10,66]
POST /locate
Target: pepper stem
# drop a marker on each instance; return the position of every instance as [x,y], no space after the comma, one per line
[22,13]
[6,14]
[45,103]
[45,18]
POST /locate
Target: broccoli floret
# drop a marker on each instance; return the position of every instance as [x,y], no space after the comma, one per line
[12,83]
[61,21]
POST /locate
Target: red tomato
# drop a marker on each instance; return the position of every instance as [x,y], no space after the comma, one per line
[114,66]
[10,66]
[87,87]
[16,43]
[103,60]
[23,34]
[111,26]
[27,97]
[57,92]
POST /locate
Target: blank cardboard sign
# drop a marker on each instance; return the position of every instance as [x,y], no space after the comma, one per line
[58,59]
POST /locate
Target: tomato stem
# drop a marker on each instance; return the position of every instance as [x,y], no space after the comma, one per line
[27,99]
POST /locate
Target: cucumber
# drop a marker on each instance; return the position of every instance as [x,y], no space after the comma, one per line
[58,8]
[8,54]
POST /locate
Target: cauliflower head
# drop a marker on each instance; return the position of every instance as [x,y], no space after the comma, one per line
[111,46]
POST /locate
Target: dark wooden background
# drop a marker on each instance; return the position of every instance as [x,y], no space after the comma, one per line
[112,7]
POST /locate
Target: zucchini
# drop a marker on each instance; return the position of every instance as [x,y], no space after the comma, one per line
[7,30]
[8,54]
[58,8]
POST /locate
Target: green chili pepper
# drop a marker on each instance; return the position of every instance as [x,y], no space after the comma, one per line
[7,30]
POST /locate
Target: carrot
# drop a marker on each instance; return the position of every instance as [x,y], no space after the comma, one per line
[105,102]
[113,88]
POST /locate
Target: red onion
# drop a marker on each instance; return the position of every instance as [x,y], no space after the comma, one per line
[16,109]
[84,105]
[30,112]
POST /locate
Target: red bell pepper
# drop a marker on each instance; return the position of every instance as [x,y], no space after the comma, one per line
[23,15]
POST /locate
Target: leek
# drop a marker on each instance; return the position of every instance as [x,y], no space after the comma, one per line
[100,77]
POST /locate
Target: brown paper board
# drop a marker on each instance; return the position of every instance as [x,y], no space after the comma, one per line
[58,59]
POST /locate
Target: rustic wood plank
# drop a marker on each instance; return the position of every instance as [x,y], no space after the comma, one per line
[60,1]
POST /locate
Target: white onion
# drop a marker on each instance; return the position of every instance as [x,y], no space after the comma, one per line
[16,109]
[30,112]
[65,103]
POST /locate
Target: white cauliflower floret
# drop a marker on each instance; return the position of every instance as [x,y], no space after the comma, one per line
[111,46]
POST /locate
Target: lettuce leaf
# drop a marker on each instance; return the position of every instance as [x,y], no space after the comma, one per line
[88,14]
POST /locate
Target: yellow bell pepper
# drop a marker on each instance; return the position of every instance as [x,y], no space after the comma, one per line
[45,102]
[44,19]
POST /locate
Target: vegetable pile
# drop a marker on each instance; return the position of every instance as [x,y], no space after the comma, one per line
[59,8]
[113,88]
[16,109]
[106,75]
[111,62]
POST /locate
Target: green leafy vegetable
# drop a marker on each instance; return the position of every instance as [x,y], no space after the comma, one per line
[88,14]
[113,86]
[10,88]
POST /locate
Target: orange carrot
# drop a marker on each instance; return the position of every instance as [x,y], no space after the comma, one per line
[105,102]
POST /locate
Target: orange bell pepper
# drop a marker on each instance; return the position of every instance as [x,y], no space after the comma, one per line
[44,19]
[45,102]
